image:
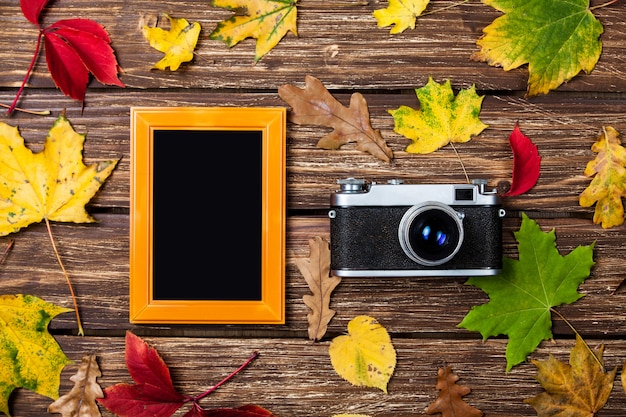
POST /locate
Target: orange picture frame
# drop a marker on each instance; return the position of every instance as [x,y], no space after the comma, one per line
[270,123]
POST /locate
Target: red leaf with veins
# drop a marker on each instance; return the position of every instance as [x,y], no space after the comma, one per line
[526,163]
[75,48]
[154,395]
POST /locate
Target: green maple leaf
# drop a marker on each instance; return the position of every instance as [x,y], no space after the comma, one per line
[556,38]
[268,21]
[441,119]
[29,356]
[523,295]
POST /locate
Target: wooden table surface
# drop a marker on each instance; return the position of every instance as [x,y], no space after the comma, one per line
[339,43]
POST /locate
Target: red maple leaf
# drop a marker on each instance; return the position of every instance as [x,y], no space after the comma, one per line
[526,163]
[153,393]
[74,48]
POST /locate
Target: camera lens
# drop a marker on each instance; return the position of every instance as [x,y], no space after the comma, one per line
[431,234]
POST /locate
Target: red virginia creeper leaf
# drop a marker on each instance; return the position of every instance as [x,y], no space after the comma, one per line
[153,394]
[32,9]
[526,163]
[75,48]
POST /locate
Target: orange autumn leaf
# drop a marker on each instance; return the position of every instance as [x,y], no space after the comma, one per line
[578,389]
[450,402]
[316,271]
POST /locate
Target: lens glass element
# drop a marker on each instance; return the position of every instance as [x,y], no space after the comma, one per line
[431,234]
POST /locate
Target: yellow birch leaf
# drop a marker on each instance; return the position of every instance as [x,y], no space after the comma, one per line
[53,184]
[177,43]
[608,185]
[29,356]
[81,400]
[401,13]
[365,356]
[441,119]
[267,21]
[578,389]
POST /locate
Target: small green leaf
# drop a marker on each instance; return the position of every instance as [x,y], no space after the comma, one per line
[522,296]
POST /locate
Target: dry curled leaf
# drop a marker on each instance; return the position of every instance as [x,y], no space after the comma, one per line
[315,105]
[450,401]
[81,400]
[316,271]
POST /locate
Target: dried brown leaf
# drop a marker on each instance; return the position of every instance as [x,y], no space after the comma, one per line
[316,271]
[580,388]
[81,400]
[450,401]
[315,105]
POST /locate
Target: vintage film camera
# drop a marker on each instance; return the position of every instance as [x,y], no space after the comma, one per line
[398,229]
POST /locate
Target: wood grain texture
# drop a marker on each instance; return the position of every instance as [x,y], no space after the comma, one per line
[339,43]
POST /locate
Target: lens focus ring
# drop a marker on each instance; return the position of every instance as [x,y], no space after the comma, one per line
[431,233]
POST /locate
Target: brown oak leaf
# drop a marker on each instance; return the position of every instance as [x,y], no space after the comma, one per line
[315,105]
[81,400]
[316,271]
[578,389]
[450,401]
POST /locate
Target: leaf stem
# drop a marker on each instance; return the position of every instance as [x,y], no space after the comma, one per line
[450,7]
[461,162]
[27,76]
[81,332]
[580,337]
[599,6]
[36,113]
[6,251]
[232,374]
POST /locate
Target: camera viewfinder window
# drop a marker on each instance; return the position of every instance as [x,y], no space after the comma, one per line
[464,194]
[207,215]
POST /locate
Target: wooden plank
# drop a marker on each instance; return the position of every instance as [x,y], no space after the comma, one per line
[96,258]
[339,41]
[295,377]
[563,126]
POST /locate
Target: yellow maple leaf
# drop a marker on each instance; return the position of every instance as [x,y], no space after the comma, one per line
[578,389]
[441,119]
[608,185]
[401,13]
[267,21]
[177,43]
[29,356]
[53,184]
[365,356]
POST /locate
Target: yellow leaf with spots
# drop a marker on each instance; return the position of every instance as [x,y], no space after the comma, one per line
[608,185]
[401,13]
[53,184]
[29,356]
[441,119]
[365,356]
[177,43]
[267,21]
